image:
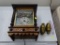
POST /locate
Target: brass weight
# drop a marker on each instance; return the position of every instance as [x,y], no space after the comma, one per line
[48,28]
[42,28]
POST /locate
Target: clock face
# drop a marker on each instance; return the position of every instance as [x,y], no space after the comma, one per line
[24,17]
[24,21]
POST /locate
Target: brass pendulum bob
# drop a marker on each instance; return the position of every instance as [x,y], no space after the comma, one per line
[48,28]
[42,29]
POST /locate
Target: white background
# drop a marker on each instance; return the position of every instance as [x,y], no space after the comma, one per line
[43,16]
[53,3]
[39,2]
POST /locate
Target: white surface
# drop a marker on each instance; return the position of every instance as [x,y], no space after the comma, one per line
[43,15]
[40,43]
[11,44]
[39,2]
[28,44]
[5,17]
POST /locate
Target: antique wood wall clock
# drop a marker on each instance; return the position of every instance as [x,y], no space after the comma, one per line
[24,22]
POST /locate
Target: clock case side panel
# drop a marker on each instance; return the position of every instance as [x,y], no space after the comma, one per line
[34,6]
[12,20]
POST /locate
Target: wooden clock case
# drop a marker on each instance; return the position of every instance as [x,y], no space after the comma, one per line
[28,32]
